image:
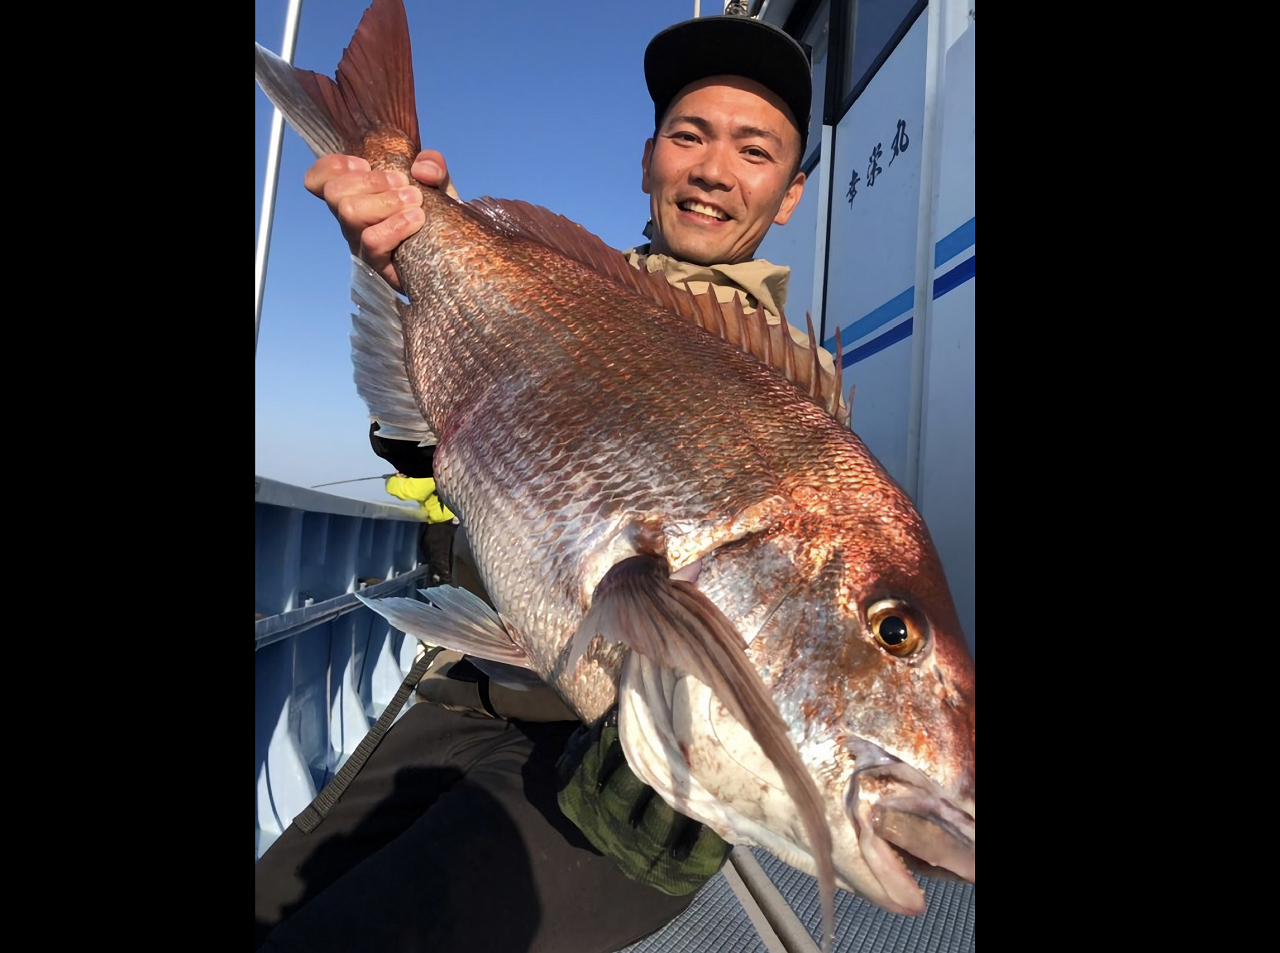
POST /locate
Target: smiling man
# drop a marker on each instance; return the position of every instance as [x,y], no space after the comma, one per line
[721,168]
[731,114]
[489,819]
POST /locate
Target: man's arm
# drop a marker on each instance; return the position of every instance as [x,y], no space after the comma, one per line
[410,489]
[376,210]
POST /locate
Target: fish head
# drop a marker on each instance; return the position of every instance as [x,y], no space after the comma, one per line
[876,683]
[856,639]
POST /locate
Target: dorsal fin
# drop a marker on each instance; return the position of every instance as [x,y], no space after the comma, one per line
[752,332]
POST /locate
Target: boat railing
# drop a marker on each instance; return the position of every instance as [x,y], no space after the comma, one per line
[325,665]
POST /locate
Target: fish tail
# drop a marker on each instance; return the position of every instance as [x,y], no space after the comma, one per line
[369,111]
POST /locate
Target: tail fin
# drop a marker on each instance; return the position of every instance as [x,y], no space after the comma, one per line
[369,112]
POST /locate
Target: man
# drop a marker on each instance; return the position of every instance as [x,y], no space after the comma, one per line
[490,821]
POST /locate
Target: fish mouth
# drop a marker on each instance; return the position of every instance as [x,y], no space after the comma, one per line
[935,837]
[905,825]
[703,211]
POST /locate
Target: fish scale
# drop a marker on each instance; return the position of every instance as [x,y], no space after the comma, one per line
[701,460]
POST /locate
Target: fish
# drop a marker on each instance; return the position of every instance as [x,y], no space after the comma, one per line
[669,512]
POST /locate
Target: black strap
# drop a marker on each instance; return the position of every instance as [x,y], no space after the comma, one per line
[309,819]
[485,700]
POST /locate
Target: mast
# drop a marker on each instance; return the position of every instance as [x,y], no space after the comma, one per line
[273,174]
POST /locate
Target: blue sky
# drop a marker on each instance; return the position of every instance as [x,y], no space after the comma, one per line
[544,102]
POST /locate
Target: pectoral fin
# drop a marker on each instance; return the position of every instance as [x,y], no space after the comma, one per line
[455,619]
[672,623]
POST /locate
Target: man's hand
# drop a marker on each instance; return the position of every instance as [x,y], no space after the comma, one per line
[376,210]
[627,821]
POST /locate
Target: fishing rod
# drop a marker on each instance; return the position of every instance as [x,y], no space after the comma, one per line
[385,476]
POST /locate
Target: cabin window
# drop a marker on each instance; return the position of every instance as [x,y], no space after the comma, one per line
[870,30]
[848,45]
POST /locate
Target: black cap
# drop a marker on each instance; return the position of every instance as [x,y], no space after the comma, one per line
[730,46]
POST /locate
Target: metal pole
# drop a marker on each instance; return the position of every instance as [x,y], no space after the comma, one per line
[273,174]
[784,925]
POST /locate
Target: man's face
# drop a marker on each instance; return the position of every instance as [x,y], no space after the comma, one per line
[719,172]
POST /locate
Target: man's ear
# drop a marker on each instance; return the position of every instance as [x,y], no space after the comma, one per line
[790,200]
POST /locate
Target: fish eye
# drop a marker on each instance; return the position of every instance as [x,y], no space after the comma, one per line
[896,628]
